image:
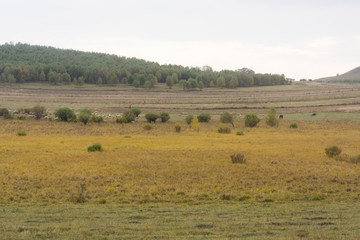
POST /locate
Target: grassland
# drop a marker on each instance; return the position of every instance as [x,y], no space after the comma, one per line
[160,184]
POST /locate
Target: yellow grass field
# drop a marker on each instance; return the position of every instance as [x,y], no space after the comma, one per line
[51,162]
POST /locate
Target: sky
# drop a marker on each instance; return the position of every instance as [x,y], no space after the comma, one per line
[301,39]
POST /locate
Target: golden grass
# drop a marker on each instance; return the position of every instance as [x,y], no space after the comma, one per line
[160,165]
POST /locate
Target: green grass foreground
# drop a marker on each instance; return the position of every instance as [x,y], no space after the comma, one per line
[294,220]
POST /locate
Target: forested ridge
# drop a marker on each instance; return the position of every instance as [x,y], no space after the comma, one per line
[22,63]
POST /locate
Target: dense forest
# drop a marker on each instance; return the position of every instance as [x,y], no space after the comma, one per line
[22,63]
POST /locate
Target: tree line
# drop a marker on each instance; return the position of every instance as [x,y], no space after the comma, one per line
[21,63]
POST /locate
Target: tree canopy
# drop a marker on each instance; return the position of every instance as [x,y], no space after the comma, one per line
[22,63]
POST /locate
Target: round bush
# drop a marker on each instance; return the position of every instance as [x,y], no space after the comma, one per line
[204,117]
[95,148]
[65,114]
[147,126]
[293,125]
[188,119]
[224,129]
[164,116]
[177,127]
[332,151]
[251,120]
[151,117]
[136,111]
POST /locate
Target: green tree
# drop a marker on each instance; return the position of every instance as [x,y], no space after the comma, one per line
[251,120]
[227,118]
[271,118]
[164,116]
[38,111]
[65,114]
[151,117]
[169,82]
[220,82]
[204,117]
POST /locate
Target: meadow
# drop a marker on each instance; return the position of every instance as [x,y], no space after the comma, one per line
[161,184]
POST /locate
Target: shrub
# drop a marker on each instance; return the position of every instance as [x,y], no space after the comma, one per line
[293,125]
[136,111]
[227,118]
[21,133]
[332,151]
[251,120]
[3,111]
[151,117]
[95,147]
[188,119]
[21,117]
[84,117]
[96,119]
[238,158]
[27,110]
[240,133]
[204,117]
[121,120]
[147,126]
[164,116]
[355,159]
[129,116]
[177,127]
[38,111]
[195,124]
[65,114]
[271,118]
[224,129]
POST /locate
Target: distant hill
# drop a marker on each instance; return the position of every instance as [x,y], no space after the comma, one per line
[22,63]
[352,76]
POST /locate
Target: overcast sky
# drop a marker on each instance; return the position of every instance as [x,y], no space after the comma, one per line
[301,39]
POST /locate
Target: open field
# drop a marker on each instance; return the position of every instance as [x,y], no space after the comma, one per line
[300,97]
[159,184]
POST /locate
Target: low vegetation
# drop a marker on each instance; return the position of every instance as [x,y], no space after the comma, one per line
[151,117]
[238,158]
[251,120]
[293,125]
[177,127]
[65,114]
[333,151]
[95,148]
[224,129]
[204,117]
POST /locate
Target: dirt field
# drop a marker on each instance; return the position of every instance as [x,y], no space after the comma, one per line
[297,98]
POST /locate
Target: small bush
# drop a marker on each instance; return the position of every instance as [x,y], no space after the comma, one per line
[355,159]
[21,133]
[38,111]
[84,117]
[224,129]
[271,118]
[251,120]
[86,110]
[147,126]
[96,119]
[21,117]
[332,151]
[195,124]
[102,201]
[4,111]
[27,110]
[177,127]
[95,147]
[121,120]
[204,117]
[188,119]
[136,111]
[293,125]
[151,117]
[164,116]
[65,114]
[240,133]
[238,158]
[227,118]
[129,116]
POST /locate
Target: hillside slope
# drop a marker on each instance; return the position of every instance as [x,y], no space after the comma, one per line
[27,63]
[351,76]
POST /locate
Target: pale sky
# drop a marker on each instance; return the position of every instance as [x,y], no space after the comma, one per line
[301,39]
